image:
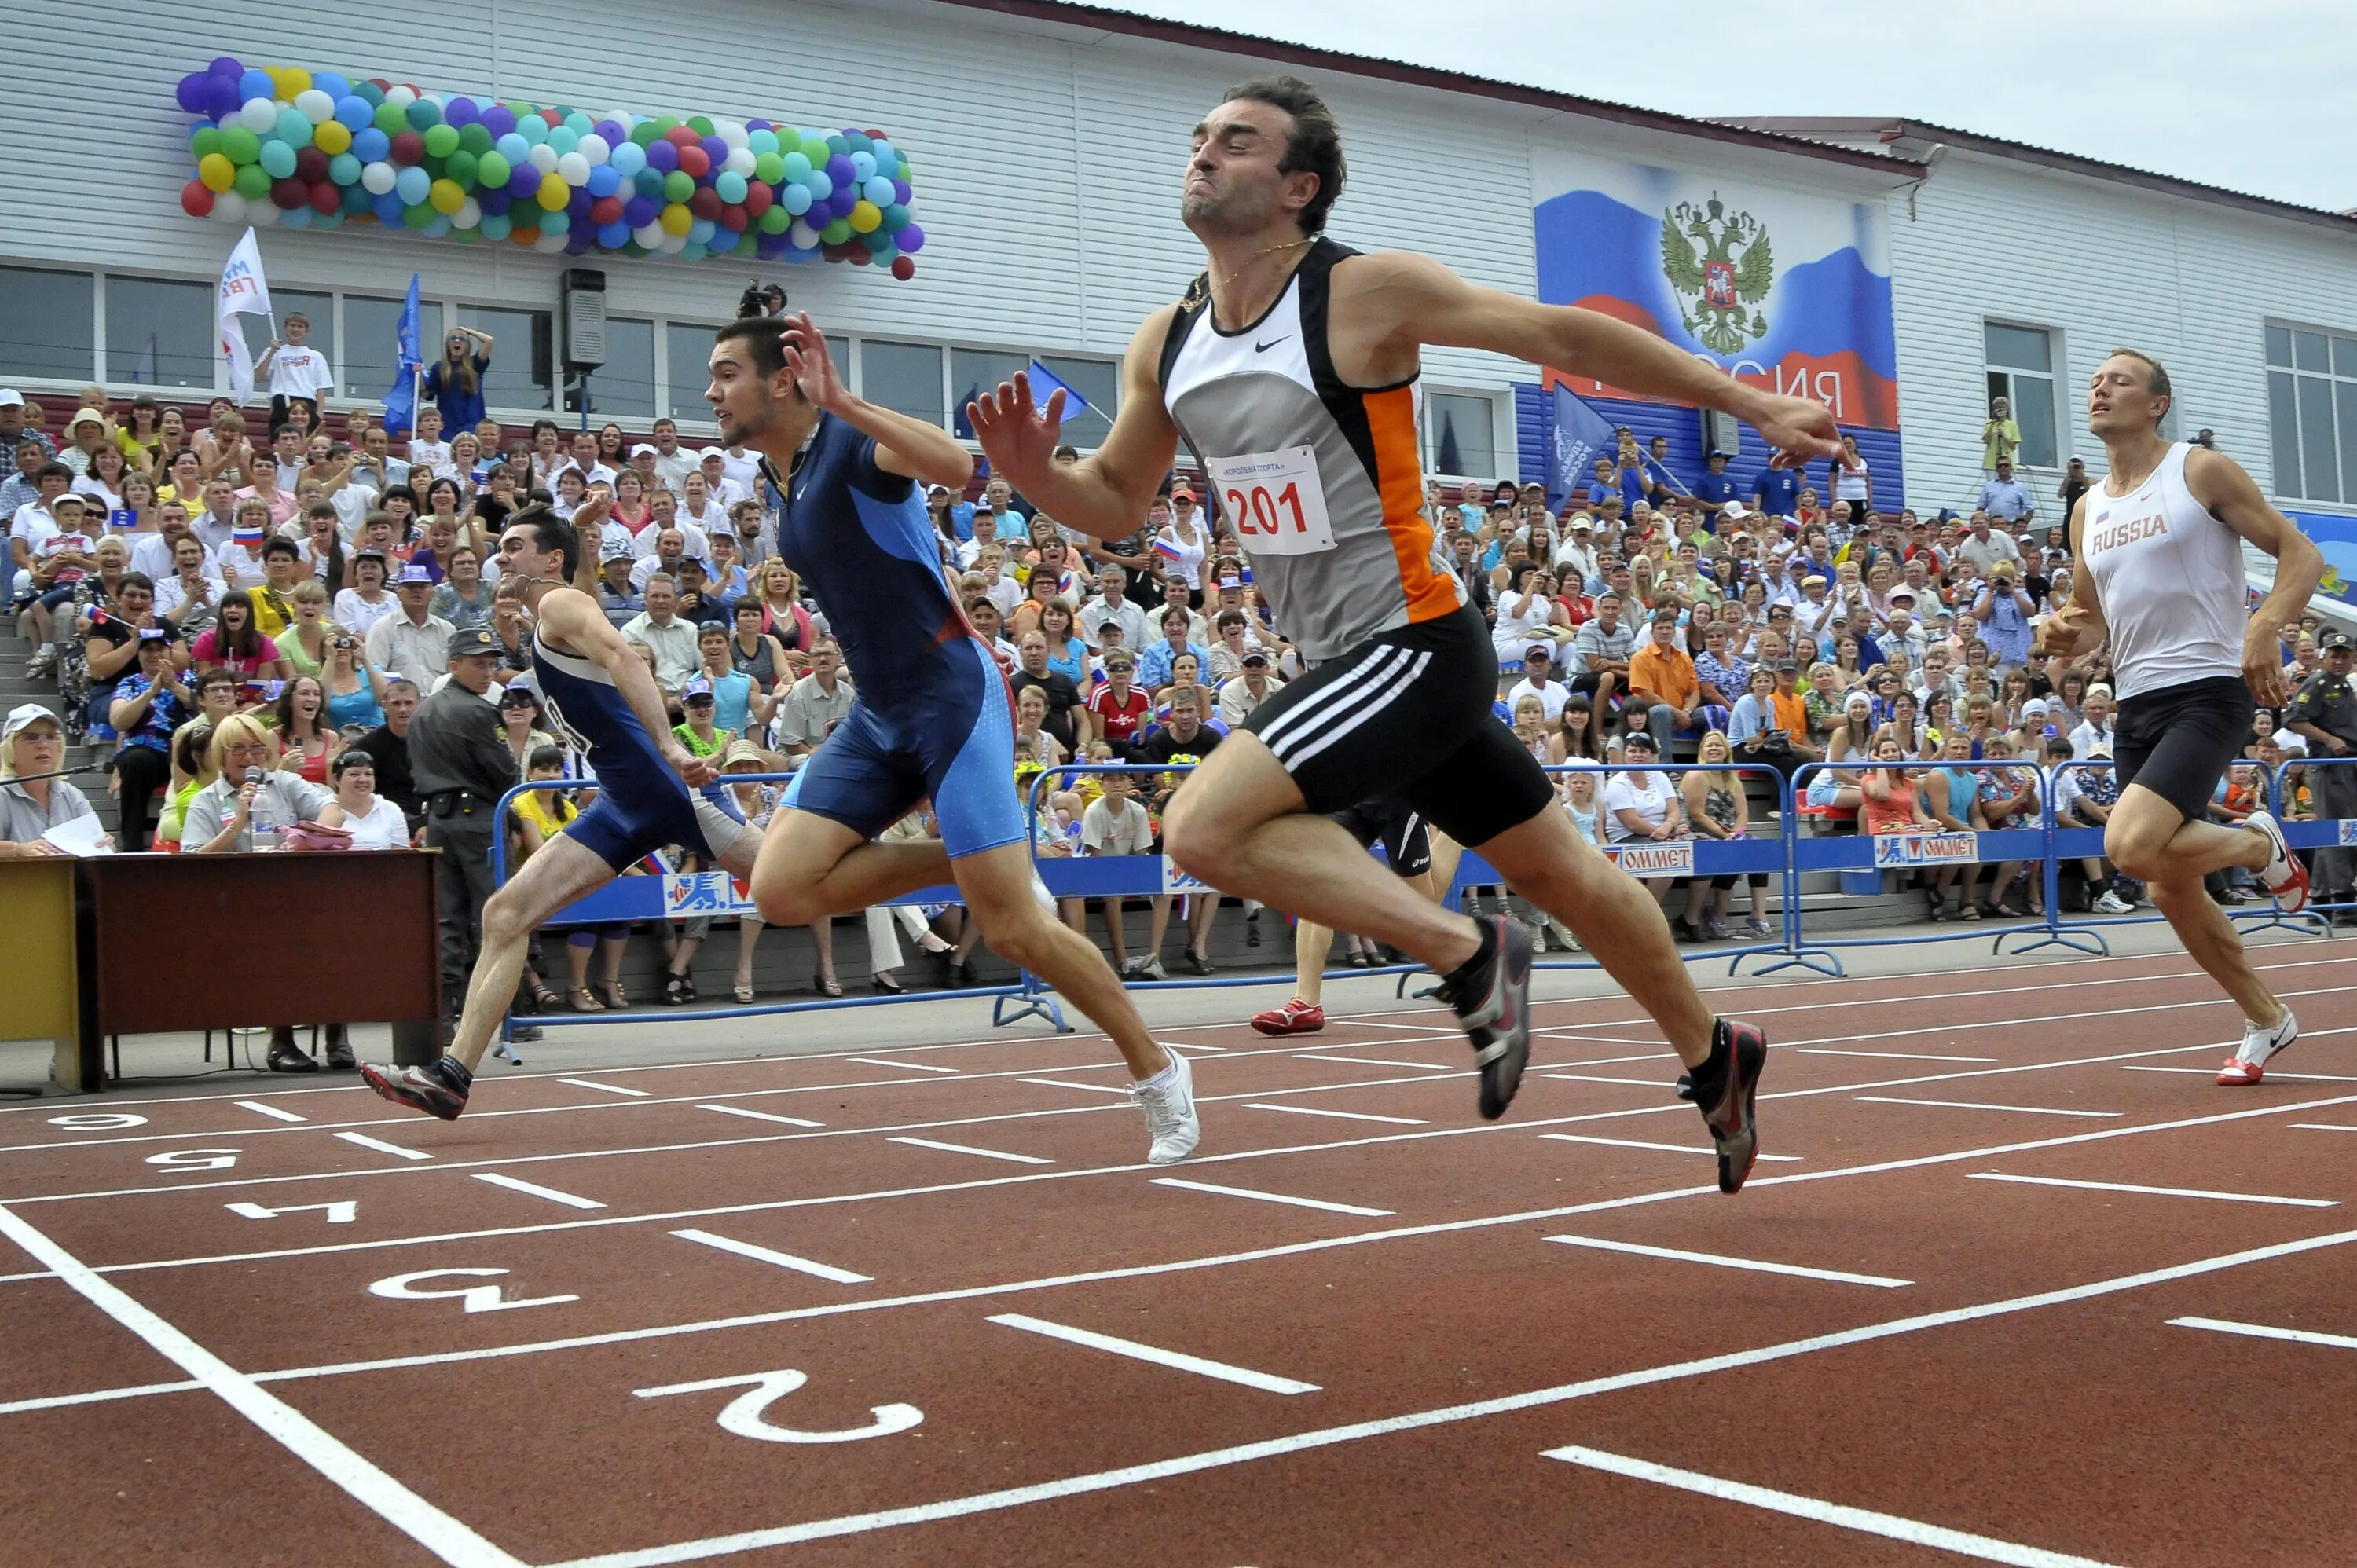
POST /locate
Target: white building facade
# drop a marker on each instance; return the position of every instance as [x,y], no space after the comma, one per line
[1046,144]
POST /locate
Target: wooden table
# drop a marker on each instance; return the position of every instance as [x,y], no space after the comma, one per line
[170,942]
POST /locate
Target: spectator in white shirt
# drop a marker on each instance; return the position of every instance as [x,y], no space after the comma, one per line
[1538,682]
[428,450]
[1112,604]
[742,470]
[673,462]
[585,460]
[1248,690]
[712,466]
[293,369]
[699,504]
[986,534]
[659,629]
[668,554]
[2094,727]
[1984,547]
[376,822]
[414,644]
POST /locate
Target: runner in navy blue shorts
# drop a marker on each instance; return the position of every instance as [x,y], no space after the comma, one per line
[932,716]
[653,793]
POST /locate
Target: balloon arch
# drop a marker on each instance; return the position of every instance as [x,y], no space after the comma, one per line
[321,150]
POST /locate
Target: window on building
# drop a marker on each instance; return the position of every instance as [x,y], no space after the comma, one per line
[976,371]
[623,388]
[1097,380]
[371,342]
[905,378]
[523,363]
[687,351]
[45,331]
[2020,361]
[318,310]
[2312,413]
[1460,435]
[160,333]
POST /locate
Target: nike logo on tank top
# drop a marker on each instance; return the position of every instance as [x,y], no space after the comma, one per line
[1321,480]
[2168,577]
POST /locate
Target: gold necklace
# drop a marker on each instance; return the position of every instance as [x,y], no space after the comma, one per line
[1264,251]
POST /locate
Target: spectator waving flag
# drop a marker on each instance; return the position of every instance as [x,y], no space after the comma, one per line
[1046,383]
[1580,432]
[243,291]
[400,402]
[248,536]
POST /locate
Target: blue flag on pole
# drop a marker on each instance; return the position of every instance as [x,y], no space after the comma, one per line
[1581,433]
[400,402]
[1046,383]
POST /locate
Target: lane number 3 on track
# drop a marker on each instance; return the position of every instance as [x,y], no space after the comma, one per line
[479,1298]
[743,1415]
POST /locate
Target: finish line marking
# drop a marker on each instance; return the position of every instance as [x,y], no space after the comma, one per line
[2155,1191]
[1223,1370]
[529,1189]
[1640,1143]
[381,1147]
[1755,1265]
[1978,1105]
[765,1255]
[970,1149]
[1271,1197]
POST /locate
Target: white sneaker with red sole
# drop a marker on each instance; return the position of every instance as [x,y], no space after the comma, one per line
[1295,1018]
[2260,1046]
[2286,878]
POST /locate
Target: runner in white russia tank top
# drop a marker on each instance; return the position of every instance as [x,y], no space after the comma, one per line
[2169,578]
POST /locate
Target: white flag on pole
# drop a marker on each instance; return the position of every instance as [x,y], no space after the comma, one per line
[243,291]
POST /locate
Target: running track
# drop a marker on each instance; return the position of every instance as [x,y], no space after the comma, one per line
[2018,1284]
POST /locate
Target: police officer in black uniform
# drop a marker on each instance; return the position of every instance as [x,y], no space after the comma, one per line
[2325,715]
[463,764]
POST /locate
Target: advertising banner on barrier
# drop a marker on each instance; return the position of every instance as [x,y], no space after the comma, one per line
[1784,289]
[1925,849]
[1672,859]
[1177,881]
[705,893]
[2348,833]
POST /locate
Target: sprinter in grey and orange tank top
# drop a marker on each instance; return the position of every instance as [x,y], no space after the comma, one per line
[1289,369]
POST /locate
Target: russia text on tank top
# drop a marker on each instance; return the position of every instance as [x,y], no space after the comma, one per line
[2168,580]
[1321,479]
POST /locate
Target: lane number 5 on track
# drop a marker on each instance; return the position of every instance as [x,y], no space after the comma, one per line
[743,1415]
[479,1298]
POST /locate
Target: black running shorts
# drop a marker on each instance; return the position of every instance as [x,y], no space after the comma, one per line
[1399,827]
[2177,742]
[1408,713]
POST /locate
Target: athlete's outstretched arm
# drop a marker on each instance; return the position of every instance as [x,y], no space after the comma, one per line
[573,621]
[1417,300]
[589,528]
[906,446]
[1107,494]
[2219,483]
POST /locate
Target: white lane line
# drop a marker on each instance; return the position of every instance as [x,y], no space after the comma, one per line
[608,1088]
[2155,1191]
[1915,1532]
[98,1396]
[1640,1143]
[2323,1127]
[1677,1255]
[1223,1370]
[381,1147]
[1599,1078]
[1979,1105]
[1061,1083]
[905,1067]
[514,1185]
[260,1109]
[766,1255]
[970,1149]
[1340,1116]
[1196,1048]
[1580,1033]
[2208,1073]
[1409,1028]
[1270,1197]
[2264,1331]
[752,1115]
[1371,1062]
[1889,1056]
[1384,1426]
[308,1442]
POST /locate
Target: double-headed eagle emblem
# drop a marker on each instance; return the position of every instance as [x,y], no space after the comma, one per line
[1732,268]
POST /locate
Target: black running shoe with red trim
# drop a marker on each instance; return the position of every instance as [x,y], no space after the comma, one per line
[1491,993]
[1724,1089]
[438,1089]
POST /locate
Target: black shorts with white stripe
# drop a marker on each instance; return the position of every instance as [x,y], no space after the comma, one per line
[1409,714]
[1388,820]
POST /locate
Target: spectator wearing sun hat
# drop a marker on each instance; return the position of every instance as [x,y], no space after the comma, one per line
[412,643]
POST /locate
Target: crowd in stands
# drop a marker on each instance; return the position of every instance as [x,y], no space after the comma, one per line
[287,586]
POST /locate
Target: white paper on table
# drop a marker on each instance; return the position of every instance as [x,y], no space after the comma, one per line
[79,836]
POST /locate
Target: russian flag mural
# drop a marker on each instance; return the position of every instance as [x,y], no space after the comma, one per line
[1780,288]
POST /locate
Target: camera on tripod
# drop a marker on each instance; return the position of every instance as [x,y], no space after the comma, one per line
[761,300]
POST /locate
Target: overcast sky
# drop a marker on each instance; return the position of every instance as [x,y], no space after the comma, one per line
[2253,95]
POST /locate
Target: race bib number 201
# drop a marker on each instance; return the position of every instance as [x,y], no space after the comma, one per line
[1275,501]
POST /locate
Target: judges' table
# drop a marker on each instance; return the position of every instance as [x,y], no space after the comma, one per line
[39,992]
[173,942]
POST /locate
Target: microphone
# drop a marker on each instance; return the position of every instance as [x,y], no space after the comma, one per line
[252,776]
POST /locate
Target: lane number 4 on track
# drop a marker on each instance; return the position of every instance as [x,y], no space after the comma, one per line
[743,1415]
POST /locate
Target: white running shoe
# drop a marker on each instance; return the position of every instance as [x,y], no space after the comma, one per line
[1039,891]
[2111,903]
[2286,878]
[2260,1046]
[1170,1113]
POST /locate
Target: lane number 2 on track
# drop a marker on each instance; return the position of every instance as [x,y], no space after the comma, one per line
[743,1415]
[479,1298]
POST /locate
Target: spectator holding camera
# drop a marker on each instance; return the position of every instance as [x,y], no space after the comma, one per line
[355,689]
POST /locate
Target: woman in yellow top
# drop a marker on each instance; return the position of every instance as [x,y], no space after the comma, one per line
[2000,435]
